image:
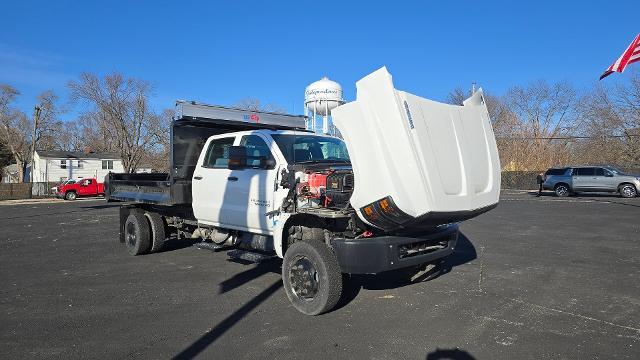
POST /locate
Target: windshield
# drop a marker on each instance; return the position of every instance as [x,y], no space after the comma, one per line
[306,148]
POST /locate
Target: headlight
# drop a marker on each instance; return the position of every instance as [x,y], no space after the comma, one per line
[384,214]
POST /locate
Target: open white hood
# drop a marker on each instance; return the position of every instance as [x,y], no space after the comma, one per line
[434,163]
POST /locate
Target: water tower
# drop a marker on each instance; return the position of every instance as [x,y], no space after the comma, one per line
[320,98]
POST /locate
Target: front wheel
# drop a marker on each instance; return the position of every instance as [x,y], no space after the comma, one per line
[312,277]
[562,190]
[70,195]
[628,191]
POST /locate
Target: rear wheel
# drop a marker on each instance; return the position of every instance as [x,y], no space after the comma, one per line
[562,190]
[137,234]
[312,277]
[627,191]
[158,233]
[70,195]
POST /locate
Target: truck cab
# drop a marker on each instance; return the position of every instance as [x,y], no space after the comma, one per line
[259,185]
[84,187]
[251,185]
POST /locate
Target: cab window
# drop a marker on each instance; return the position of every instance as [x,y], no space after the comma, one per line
[599,171]
[257,150]
[217,156]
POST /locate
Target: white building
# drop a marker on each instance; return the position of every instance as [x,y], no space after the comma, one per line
[10,174]
[55,165]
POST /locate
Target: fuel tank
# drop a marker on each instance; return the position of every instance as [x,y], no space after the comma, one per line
[415,161]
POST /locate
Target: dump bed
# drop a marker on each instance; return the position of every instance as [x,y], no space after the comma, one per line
[432,162]
[193,125]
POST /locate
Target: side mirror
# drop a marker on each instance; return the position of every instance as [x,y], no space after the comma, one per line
[608,174]
[237,157]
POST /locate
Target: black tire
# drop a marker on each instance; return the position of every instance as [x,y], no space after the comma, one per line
[137,234]
[158,233]
[562,190]
[627,190]
[70,195]
[312,277]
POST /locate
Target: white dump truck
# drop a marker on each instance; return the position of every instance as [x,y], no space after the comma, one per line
[258,185]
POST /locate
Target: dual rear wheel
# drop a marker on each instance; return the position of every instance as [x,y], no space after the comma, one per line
[144,232]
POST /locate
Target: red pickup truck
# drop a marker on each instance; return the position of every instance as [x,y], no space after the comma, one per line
[82,187]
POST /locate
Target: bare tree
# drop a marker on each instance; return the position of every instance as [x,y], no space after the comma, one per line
[158,156]
[120,119]
[14,123]
[70,137]
[540,113]
[610,118]
[19,132]
[5,154]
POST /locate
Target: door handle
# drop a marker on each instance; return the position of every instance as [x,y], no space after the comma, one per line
[232,178]
[197,177]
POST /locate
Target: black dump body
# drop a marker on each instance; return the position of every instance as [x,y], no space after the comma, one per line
[193,125]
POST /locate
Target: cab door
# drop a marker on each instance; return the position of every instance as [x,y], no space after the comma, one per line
[609,182]
[258,179]
[214,190]
[86,187]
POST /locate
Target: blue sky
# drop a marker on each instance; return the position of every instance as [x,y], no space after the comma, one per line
[221,52]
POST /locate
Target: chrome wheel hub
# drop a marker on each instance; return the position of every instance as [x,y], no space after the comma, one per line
[628,191]
[131,235]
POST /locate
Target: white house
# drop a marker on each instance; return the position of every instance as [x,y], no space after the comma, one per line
[10,174]
[55,165]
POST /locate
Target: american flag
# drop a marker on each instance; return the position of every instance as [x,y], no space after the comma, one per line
[631,55]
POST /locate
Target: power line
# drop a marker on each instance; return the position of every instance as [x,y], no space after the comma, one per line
[565,137]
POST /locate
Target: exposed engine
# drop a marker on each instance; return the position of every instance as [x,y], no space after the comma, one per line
[329,189]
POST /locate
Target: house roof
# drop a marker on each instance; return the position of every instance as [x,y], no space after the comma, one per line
[59,154]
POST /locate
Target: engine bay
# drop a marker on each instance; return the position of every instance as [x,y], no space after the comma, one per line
[329,189]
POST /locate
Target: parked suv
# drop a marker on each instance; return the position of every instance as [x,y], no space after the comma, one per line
[568,180]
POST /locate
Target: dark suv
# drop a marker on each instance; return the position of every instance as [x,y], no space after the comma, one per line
[568,180]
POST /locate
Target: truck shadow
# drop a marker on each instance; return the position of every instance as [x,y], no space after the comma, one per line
[103,206]
[212,335]
[464,252]
[449,354]
[246,276]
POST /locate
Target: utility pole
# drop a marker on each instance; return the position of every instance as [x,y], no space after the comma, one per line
[36,118]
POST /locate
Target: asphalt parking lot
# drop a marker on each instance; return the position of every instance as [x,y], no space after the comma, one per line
[535,278]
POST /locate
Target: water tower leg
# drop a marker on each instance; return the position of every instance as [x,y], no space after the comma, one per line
[313,121]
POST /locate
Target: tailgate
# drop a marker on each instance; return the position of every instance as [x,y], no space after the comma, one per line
[417,161]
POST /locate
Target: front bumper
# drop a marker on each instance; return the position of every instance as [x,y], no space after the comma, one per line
[383,253]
